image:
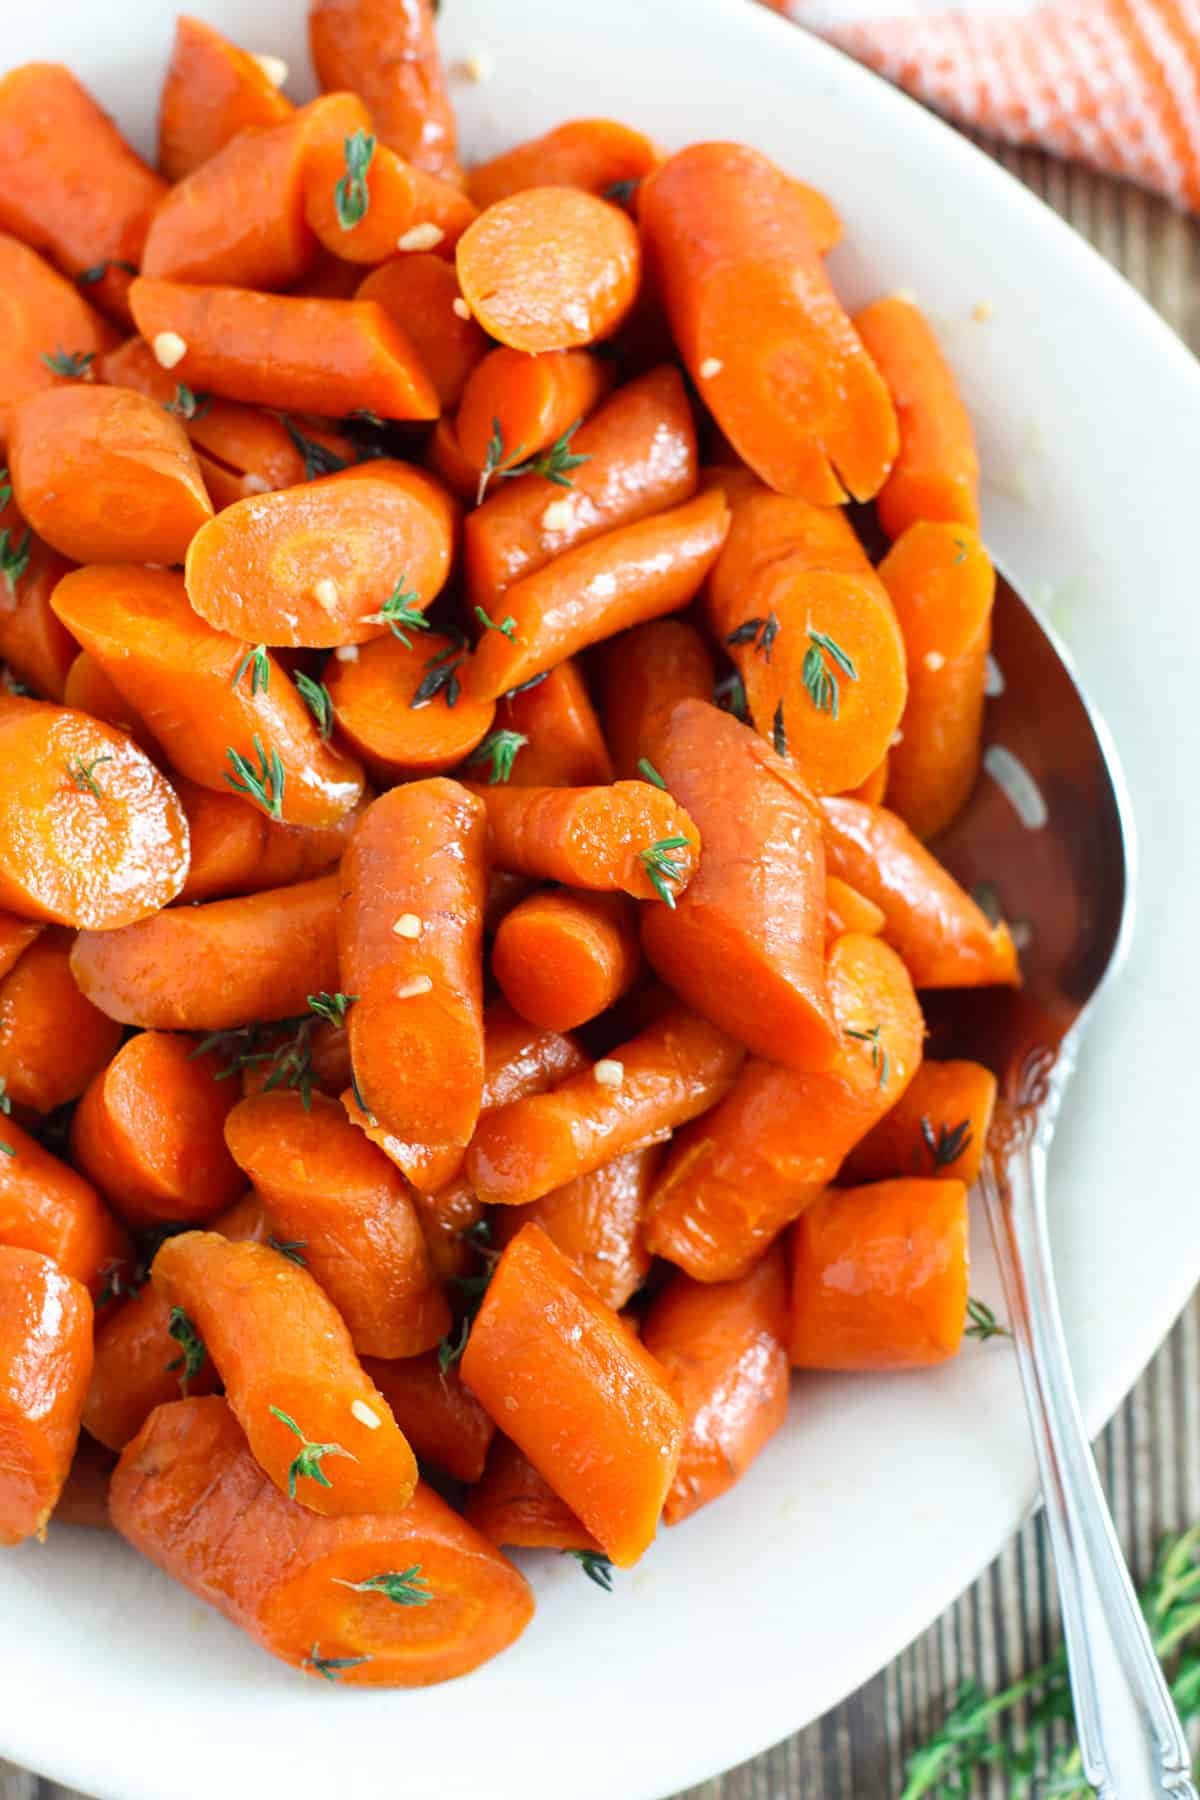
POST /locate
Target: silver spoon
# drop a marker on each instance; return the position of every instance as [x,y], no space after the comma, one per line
[1049,827]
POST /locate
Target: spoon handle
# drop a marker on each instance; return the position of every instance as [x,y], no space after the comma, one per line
[1131,1741]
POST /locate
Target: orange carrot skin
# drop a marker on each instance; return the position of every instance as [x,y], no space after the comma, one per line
[561,959]
[595,1220]
[646,671]
[45,1206]
[564,744]
[444,457]
[52,1040]
[592,154]
[389,55]
[418,290]
[590,837]
[874,789]
[442,1421]
[211,91]
[723,1347]
[189,1495]
[879,1276]
[83,1499]
[16,935]
[236,849]
[671,1072]
[35,646]
[938,1128]
[373,702]
[88,689]
[592,1411]
[848,910]
[531,400]
[514,1505]
[44,312]
[45,1363]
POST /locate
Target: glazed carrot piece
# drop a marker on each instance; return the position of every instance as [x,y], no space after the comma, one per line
[759,327]
[879,1276]
[442,1421]
[364,202]
[646,672]
[319,1593]
[512,1504]
[621,578]
[331,562]
[447,1214]
[45,1206]
[280,1347]
[90,833]
[579,1395]
[937,1128]
[327,1188]
[399,705]
[640,450]
[217,705]
[343,355]
[443,455]
[16,935]
[52,1040]
[211,91]
[592,154]
[942,586]
[722,1347]
[83,1499]
[36,648]
[628,838]
[329,279]
[236,849]
[848,910]
[218,966]
[88,689]
[514,406]
[944,937]
[736,1178]
[595,1220]
[418,291]
[70,186]
[47,322]
[874,789]
[549,268]
[673,1071]
[563,745]
[520,1059]
[561,959]
[45,1362]
[389,55]
[410,933]
[504,889]
[936,472]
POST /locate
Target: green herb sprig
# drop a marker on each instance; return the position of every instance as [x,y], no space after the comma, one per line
[331,1007]
[319,701]
[661,867]
[331,1668]
[401,613]
[319,459]
[730,695]
[6,1109]
[186,404]
[306,1464]
[264,784]
[948,1143]
[820,681]
[761,633]
[292,1248]
[648,772]
[258,662]
[442,678]
[880,1061]
[83,774]
[595,1566]
[554,464]
[404,1587]
[73,365]
[14,555]
[983,1323]
[192,1355]
[499,750]
[351,196]
[507,627]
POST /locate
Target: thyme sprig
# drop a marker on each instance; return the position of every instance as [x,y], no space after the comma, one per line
[264,784]
[14,555]
[507,627]
[820,681]
[880,1061]
[192,1355]
[983,1322]
[400,614]
[318,699]
[595,1566]
[73,365]
[403,1587]
[319,459]
[331,1667]
[332,1007]
[83,774]
[648,772]
[554,464]
[258,662]
[499,749]
[187,404]
[948,1143]
[761,633]
[351,196]
[306,1464]
[662,868]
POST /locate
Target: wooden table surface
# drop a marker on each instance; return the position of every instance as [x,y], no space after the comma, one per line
[1149,1454]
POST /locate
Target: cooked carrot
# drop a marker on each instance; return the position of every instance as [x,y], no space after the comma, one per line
[16,935]
[36,648]
[69,183]
[514,406]
[596,1221]
[550,268]
[504,889]
[48,325]
[848,910]
[418,291]
[722,1347]
[329,1190]
[332,562]
[561,959]
[281,1348]
[879,1276]
[218,966]
[88,689]
[45,1206]
[514,1505]
[443,455]
[936,472]
[874,789]
[364,202]
[90,833]
[329,279]
[942,585]
[737,1177]
[640,451]
[52,1040]
[410,934]
[83,1499]
[218,706]
[938,1127]
[646,671]
[944,937]
[45,1362]
[628,838]
[211,91]
[520,1059]
[343,355]
[236,849]
[671,1072]
[400,707]
[548,735]
[761,331]
[389,55]
[592,154]
[442,1421]
[632,573]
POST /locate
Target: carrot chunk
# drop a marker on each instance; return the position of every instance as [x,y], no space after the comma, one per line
[52,1040]
[389,55]
[45,1362]
[211,91]
[45,1206]
[938,1127]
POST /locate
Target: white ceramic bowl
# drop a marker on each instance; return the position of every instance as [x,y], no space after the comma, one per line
[883,1497]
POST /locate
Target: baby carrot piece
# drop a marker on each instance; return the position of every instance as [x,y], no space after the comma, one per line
[88,689]
[418,291]
[847,910]
[442,1421]
[236,849]
[722,1347]
[335,561]
[593,154]
[90,833]
[364,202]
[596,1221]
[343,356]
[628,838]
[561,959]
[520,1059]
[777,361]
[327,1188]
[938,1127]
[874,789]
[936,472]
[646,671]
[514,1505]
[579,1395]
[45,1362]
[48,327]
[16,935]
[32,642]
[389,55]
[399,704]
[547,735]
[219,966]
[550,268]
[410,935]
[632,573]
[290,1374]
[84,1497]
[673,1071]
[879,1276]
[942,585]
[45,1206]
[514,406]
[212,90]
[944,937]
[52,1040]
[737,1177]
[443,455]
[396,1599]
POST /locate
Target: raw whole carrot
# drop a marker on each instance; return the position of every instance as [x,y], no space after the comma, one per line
[550,268]
[236,849]
[326,563]
[36,648]
[514,1505]
[646,671]
[443,455]
[218,966]
[513,406]
[762,334]
[319,1593]
[671,1072]
[90,833]
[723,1348]
[83,1499]
[592,154]
[442,1421]
[944,937]
[16,935]
[214,703]
[327,1188]
[937,1128]
[45,1206]
[561,959]
[89,690]
[52,1040]
[46,319]
[628,838]
[579,1395]
[364,202]
[879,1276]
[848,910]
[737,1177]
[400,707]
[279,1346]
[410,934]
[45,1362]
[936,472]
[942,586]
[595,1220]
[640,447]
[561,743]
[211,91]
[418,291]
[343,355]
[388,53]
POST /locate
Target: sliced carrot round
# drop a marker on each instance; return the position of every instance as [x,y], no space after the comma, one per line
[380,709]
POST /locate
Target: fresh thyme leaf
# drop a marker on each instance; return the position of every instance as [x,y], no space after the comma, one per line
[523,687]
[259,665]
[947,1144]
[318,458]
[82,774]
[621,192]
[318,699]
[506,627]
[405,1587]
[648,772]
[553,464]
[291,1248]
[496,454]
[332,1007]
[97,272]
[73,364]
[5,488]
[596,1567]
[961,547]
[450,1349]
[400,613]
[442,678]
[759,632]
[499,748]
[984,1323]
[351,196]
[282,1048]
[188,405]
[264,784]
[306,1464]
[879,1056]
[821,682]
[662,868]
[779,732]
[331,1667]
[731,695]
[14,555]
[193,1356]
